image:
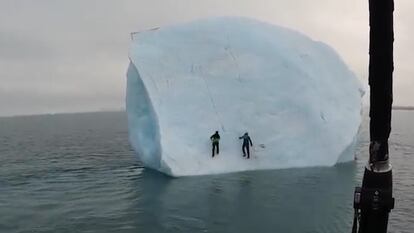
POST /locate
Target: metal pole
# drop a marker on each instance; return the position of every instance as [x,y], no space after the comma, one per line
[373,201]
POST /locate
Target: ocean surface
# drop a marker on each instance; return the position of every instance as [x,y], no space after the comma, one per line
[77,173]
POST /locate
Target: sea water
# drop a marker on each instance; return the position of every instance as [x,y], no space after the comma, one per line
[77,173]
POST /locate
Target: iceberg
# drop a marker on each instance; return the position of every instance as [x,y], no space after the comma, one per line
[297,99]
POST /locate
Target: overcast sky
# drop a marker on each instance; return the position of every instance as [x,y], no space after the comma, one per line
[72,55]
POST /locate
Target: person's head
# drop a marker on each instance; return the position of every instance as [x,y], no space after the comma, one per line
[216,132]
[246,134]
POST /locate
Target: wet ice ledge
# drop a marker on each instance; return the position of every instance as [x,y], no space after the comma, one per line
[297,99]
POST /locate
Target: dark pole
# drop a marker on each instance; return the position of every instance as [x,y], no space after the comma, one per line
[374,201]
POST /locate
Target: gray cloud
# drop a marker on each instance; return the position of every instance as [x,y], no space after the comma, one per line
[58,56]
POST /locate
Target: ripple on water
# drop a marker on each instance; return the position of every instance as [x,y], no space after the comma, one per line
[85,178]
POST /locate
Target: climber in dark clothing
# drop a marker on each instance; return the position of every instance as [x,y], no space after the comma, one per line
[247,142]
[215,138]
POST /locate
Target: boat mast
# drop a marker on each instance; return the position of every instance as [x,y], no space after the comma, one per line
[373,201]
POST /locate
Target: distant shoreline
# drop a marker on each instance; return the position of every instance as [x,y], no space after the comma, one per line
[397,108]
[408,108]
[63,113]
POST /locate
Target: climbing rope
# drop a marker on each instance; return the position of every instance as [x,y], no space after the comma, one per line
[212,102]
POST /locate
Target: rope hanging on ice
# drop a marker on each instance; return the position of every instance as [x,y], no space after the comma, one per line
[213,103]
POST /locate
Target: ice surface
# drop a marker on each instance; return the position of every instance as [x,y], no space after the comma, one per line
[297,99]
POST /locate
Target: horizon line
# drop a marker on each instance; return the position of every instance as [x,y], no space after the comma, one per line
[397,107]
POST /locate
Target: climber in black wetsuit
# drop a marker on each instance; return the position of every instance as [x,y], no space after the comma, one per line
[247,142]
[215,138]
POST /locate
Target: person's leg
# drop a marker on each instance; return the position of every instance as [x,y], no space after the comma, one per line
[218,149]
[244,152]
[248,151]
[212,152]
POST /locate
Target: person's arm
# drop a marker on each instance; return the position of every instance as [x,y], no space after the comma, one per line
[251,143]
